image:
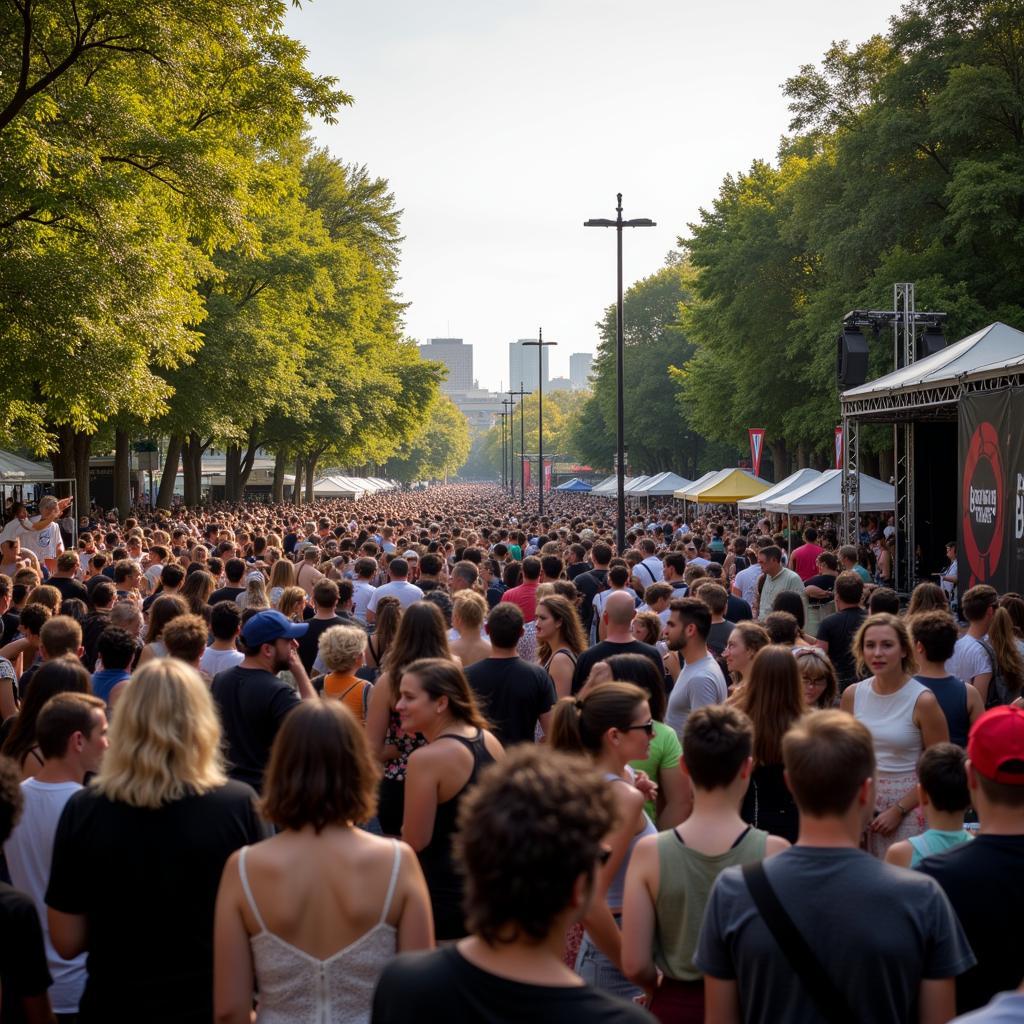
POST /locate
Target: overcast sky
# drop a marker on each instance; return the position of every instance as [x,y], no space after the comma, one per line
[503,126]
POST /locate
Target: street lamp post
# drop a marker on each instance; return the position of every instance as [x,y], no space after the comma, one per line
[506,429]
[522,393]
[620,437]
[540,345]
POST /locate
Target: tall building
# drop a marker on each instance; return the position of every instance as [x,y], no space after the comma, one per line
[522,365]
[579,370]
[457,356]
[558,384]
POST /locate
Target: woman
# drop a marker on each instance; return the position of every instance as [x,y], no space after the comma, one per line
[468,611]
[281,576]
[791,602]
[1014,605]
[421,634]
[927,597]
[292,603]
[157,825]
[613,725]
[560,640]
[818,675]
[60,675]
[746,639]
[341,650]
[663,762]
[310,917]
[164,609]
[196,591]
[436,702]
[385,629]
[903,716]
[773,699]
[1005,653]
[255,593]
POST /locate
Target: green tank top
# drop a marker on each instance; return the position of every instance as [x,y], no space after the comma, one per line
[684,886]
[936,840]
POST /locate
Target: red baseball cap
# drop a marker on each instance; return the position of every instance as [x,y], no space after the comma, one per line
[996,741]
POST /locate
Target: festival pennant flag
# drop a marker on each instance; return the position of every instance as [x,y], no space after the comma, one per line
[756,447]
[839,447]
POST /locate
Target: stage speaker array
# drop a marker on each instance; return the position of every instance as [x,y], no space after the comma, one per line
[932,341]
[851,358]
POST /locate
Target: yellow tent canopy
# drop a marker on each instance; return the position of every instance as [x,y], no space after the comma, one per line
[725,487]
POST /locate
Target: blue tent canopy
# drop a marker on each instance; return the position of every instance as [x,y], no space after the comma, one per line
[575,485]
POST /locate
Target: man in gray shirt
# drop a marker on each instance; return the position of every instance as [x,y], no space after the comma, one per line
[777,580]
[701,681]
[886,938]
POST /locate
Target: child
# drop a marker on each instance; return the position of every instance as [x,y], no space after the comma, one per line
[942,790]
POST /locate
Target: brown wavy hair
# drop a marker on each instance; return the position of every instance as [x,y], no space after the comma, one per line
[564,613]
[773,699]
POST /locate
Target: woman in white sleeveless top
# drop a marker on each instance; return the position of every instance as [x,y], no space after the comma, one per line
[309,918]
[903,717]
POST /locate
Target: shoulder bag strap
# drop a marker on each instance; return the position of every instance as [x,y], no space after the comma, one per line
[830,1002]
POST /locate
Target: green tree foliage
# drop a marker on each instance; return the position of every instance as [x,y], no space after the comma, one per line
[439,448]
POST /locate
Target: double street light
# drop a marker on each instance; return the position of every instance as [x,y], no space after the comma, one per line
[506,446]
[540,345]
[620,469]
[522,393]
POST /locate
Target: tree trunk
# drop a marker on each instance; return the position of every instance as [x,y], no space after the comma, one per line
[232,472]
[297,486]
[82,450]
[248,459]
[280,462]
[122,469]
[801,456]
[63,459]
[780,459]
[165,496]
[192,457]
[311,461]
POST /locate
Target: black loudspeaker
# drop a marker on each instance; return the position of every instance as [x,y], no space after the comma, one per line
[851,358]
[932,341]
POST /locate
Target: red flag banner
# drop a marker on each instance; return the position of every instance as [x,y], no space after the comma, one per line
[547,476]
[839,447]
[526,474]
[756,447]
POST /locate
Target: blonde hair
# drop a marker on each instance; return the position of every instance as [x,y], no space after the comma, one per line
[291,596]
[164,740]
[283,574]
[255,593]
[471,609]
[341,647]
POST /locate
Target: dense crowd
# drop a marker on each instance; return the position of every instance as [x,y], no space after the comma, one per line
[432,757]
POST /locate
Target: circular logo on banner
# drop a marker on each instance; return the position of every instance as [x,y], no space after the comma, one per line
[982,503]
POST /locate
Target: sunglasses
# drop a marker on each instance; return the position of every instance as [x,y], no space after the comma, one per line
[648,727]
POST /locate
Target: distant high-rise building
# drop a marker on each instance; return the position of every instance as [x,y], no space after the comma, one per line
[522,365]
[579,370]
[558,384]
[457,356]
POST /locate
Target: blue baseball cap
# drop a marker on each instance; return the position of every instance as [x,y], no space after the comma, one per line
[266,627]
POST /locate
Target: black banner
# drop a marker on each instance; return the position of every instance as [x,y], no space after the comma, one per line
[991,531]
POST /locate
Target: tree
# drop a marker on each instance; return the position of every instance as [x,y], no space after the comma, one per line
[439,448]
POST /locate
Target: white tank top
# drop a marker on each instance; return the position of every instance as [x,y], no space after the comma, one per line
[890,719]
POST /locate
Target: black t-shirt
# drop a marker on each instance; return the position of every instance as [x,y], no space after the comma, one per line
[146,882]
[737,610]
[605,649]
[92,628]
[23,969]
[442,986]
[590,584]
[309,643]
[9,627]
[838,631]
[984,881]
[252,705]
[68,588]
[576,569]
[228,593]
[822,583]
[718,636]
[513,694]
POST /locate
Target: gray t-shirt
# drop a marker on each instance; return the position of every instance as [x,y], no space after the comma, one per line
[698,684]
[878,929]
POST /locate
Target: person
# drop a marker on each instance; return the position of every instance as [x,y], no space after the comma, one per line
[942,791]
[740,649]
[468,611]
[982,878]
[118,651]
[225,627]
[934,635]
[341,650]
[619,580]
[435,700]
[71,731]
[421,634]
[385,629]
[593,582]
[252,700]
[525,594]
[948,577]
[670,875]
[927,597]
[156,826]
[398,586]
[804,559]
[63,578]
[619,611]
[717,599]
[197,590]
[818,675]
[40,534]
[903,717]
[311,916]
[910,946]
[849,560]
[526,884]
[560,640]
[255,593]
[613,725]
[777,579]
[990,634]
[325,603]
[836,631]
[234,573]
[282,575]
[513,694]
[185,639]
[701,681]
[165,608]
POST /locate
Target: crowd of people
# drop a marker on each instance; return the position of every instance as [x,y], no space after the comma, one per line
[429,757]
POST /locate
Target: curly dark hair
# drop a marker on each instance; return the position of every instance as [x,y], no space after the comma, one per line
[11,799]
[532,826]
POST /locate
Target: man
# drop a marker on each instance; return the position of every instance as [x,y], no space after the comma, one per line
[836,631]
[398,586]
[649,569]
[325,604]
[153,564]
[848,561]
[948,579]
[63,578]
[673,572]
[532,839]
[657,598]
[362,588]
[525,595]
[234,571]
[591,583]
[691,549]
[717,600]
[514,694]
[744,584]
[8,619]
[252,700]
[736,609]
[13,557]
[983,880]
[700,681]
[907,950]
[117,649]
[973,660]
[71,733]
[777,580]
[463,576]
[39,534]
[128,581]
[577,564]
[430,573]
[225,626]
[103,596]
[619,612]
[804,559]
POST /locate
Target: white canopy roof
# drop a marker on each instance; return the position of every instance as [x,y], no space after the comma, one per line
[339,487]
[790,483]
[14,468]
[609,486]
[662,485]
[823,496]
[680,492]
[992,349]
[635,482]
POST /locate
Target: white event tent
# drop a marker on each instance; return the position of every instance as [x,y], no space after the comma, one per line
[824,496]
[793,482]
[680,492]
[661,485]
[635,482]
[610,486]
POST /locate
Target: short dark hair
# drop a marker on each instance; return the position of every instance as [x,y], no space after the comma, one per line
[364,568]
[717,739]
[693,610]
[883,599]
[234,569]
[531,567]
[225,618]
[325,594]
[782,627]
[942,772]
[185,637]
[398,567]
[552,566]
[61,717]
[772,553]
[430,564]
[321,769]
[977,601]
[171,574]
[849,587]
[103,594]
[936,632]
[117,647]
[810,534]
[505,623]
[601,553]
[528,830]
[123,569]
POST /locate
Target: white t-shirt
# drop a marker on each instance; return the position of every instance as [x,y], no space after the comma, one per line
[29,851]
[406,592]
[361,594]
[698,684]
[650,570]
[214,661]
[746,582]
[43,544]
[969,659]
